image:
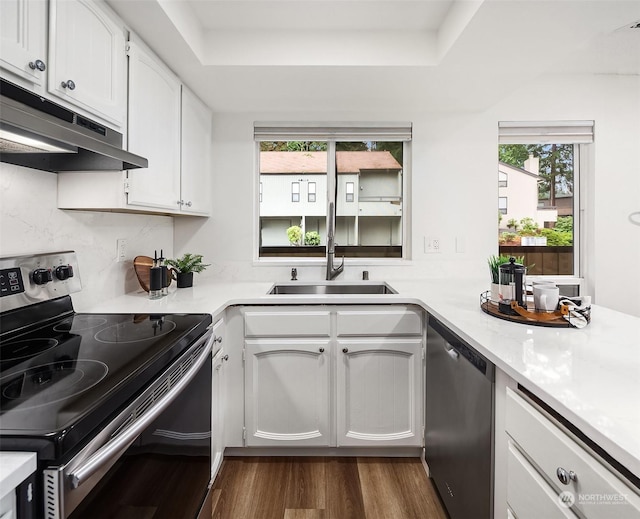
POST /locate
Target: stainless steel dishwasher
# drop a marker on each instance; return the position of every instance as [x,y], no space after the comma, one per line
[459,423]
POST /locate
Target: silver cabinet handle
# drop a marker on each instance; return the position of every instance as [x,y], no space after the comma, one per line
[37,64]
[179,202]
[218,339]
[226,357]
[68,84]
[321,350]
[565,476]
[188,204]
[113,447]
[345,350]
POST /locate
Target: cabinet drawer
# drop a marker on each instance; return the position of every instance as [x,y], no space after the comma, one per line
[287,323]
[598,492]
[387,321]
[528,495]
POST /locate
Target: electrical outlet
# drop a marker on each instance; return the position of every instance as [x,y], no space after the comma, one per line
[121,250]
[431,245]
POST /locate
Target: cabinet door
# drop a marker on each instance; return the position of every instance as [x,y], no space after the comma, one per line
[195,186]
[379,392]
[24,38]
[154,131]
[287,392]
[528,495]
[218,411]
[87,60]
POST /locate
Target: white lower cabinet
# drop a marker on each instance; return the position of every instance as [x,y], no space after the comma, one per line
[379,392]
[287,389]
[310,381]
[529,495]
[549,474]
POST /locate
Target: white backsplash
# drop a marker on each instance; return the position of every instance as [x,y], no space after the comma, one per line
[31,222]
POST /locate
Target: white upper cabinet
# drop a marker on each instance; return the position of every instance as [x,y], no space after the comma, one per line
[195,185]
[154,131]
[23,50]
[87,60]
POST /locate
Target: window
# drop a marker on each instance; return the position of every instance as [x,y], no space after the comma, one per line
[335,162]
[349,191]
[542,221]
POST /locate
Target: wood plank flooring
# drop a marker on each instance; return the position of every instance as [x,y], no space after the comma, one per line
[324,488]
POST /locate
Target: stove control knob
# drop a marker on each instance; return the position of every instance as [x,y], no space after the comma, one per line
[64,272]
[41,276]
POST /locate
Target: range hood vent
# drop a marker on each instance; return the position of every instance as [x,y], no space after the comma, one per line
[37,133]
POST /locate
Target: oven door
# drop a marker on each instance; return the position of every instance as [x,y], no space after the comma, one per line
[153,460]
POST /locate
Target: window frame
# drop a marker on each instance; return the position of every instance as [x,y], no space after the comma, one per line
[506,204]
[295,193]
[580,134]
[311,193]
[348,192]
[333,133]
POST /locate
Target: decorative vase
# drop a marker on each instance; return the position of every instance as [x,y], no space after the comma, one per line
[184,279]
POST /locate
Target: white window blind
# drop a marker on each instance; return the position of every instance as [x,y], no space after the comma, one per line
[558,132]
[287,131]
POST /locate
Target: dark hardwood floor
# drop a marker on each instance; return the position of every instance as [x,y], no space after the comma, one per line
[324,488]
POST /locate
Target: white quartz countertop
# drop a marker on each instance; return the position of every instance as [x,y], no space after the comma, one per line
[15,467]
[591,376]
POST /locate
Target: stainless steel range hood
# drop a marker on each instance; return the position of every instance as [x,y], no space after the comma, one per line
[37,133]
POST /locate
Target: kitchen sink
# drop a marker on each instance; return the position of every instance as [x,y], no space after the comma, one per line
[330,287]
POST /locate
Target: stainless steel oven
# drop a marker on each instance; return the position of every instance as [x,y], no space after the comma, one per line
[116,406]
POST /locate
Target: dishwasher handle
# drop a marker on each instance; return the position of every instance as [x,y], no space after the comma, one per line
[451,351]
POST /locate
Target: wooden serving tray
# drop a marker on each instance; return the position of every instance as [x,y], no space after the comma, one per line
[492,309]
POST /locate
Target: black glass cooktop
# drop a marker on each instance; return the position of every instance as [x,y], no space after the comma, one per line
[61,380]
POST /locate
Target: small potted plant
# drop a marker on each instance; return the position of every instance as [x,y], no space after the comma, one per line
[183,268]
[294,233]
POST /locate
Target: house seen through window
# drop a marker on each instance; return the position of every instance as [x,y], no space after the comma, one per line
[298,179]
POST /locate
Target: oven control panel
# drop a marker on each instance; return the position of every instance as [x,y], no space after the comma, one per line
[29,279]
[11,282]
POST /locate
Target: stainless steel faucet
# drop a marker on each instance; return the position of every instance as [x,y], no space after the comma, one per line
[332,272]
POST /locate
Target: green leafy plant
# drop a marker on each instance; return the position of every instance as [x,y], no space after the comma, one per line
[512,223]
[507,237]
[529,227]
[294,233]
[557,238]
[312,238]
[188,263]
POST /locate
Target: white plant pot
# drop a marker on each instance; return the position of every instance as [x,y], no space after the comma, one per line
[495,293]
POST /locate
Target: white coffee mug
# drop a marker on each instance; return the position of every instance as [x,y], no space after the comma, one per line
[546,297]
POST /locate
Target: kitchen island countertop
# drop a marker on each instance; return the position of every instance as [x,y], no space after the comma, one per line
[591,376]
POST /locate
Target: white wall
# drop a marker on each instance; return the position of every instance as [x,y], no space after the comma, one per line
[31,223]
[453,198]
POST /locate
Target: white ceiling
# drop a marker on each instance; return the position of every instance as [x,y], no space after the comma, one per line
[382,56]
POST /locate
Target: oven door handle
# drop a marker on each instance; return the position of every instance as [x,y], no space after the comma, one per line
[114,447]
